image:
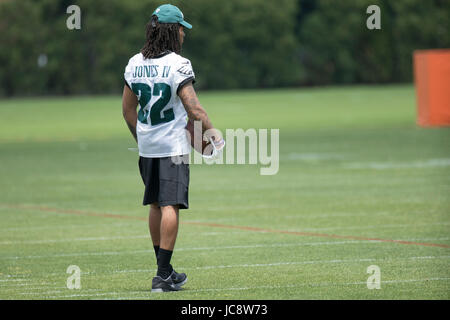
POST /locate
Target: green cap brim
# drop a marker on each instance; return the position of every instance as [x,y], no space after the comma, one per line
[185,24]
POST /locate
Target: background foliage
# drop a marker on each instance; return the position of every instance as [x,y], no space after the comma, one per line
[234,43]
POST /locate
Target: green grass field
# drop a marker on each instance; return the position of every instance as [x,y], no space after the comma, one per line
[353,167]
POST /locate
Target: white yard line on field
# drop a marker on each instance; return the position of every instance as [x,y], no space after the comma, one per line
[30,288]
[312,216]
[430,163]
[335,261]
[356,227]
[146,236]
[257,265]
[424,239]
[311,156]
[319,284]
[79,254]
[289,263]
[46,292]
[37,241]
[69,226]
[73,240]
[272,245]
[260,245]
[313,262]
[215,233]
[377,226]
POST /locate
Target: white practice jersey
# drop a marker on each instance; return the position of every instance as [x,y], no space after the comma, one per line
[161,116]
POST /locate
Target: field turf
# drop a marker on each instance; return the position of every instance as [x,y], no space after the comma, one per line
[359,184]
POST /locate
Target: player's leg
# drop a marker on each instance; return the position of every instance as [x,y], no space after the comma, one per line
[169,226]
[166,278]
[154,225]
[168,236]
[172,196]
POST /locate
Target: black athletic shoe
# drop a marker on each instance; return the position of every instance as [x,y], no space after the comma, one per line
[178,278]
[161,285]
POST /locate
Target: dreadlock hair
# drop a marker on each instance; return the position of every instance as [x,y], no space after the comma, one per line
[161,37]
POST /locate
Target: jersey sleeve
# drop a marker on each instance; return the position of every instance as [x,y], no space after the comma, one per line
[183,74]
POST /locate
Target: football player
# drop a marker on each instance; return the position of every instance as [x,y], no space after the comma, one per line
[160,81]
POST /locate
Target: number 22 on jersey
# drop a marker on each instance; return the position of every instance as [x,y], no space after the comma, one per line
[144,92]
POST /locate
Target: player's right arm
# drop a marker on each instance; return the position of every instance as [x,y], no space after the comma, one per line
[129,105]
[195,110]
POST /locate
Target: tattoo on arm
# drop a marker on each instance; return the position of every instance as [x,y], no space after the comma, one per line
[193,107]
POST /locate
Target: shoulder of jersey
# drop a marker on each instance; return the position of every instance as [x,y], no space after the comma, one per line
[136,58]
[184,66]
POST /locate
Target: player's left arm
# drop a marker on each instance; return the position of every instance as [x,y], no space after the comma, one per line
[195,110]
[129,104]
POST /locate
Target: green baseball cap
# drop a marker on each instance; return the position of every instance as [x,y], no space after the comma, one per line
[168,13]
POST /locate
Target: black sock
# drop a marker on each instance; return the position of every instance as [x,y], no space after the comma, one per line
[164,266]
[156,251]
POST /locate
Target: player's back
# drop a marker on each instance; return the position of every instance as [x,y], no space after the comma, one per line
[161,116]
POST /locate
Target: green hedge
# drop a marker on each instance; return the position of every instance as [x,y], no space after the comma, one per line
[234,43]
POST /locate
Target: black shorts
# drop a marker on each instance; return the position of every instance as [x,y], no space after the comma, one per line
[165,182]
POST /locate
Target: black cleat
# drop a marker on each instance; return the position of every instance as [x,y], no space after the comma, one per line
[161,285]
[178,278]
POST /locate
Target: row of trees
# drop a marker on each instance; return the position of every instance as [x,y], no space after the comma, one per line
[234,43]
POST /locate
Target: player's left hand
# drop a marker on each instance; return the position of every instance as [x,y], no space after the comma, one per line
[217,149]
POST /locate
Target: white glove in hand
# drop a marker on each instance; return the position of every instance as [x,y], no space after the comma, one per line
[217,149]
